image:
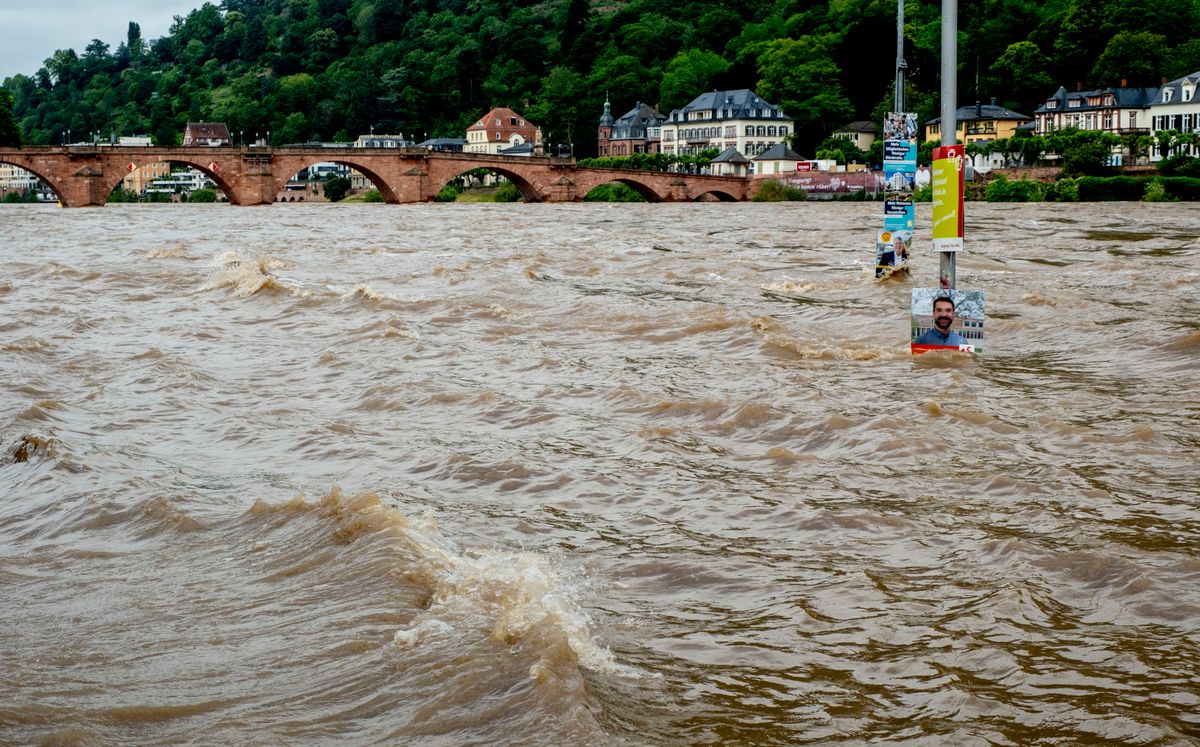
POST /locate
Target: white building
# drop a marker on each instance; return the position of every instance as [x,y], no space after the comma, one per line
[17,179]
[500,129]
[180,182]
[778,159]
[723,119]
[1177,108]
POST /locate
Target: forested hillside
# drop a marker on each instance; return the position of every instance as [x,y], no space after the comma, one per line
[333,69]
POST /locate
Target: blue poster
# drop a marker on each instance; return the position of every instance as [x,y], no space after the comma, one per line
[898,214]
[900,152]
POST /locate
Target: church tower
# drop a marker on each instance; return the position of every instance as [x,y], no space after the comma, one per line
[604,132]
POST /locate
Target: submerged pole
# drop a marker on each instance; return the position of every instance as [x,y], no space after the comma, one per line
[949,106]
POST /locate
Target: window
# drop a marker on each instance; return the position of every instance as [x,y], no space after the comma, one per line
[749,130]
[1051,104]
[1167,95]
[1073,104]
[783,130]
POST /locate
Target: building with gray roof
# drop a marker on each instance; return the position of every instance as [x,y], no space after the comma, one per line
[721,119]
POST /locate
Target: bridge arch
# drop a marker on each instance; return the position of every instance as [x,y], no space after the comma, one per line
[295,165]
[640,182]
[446,175]
[719,194]
[44,176]
[112,182]
[645,190]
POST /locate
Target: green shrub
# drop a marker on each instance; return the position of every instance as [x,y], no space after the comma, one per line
[14,197]
[449,193]
[509,192]
[373,195]
[204,194]
[1110,188]
[120,194]
[1156,192]
[1001,189]
[614,192]
[1179,166]
[1182,188]
[773,190]
[923,194]
[1063,190]
[336,187]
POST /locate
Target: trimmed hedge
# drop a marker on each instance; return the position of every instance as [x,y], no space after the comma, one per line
[1111,188]
[1182,187]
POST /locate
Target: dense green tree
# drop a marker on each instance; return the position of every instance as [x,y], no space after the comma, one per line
[688,74]
[843,150]
[9,134]
[1022,77]
[1135,57]
[800,76]
[1079,42]
[432,66]
[335,187]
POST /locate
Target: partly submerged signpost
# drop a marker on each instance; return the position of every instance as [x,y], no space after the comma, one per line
[945,318]
[899,175]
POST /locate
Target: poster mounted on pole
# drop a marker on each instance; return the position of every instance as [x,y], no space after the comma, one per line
[899,175]
[948,198]
[945,319]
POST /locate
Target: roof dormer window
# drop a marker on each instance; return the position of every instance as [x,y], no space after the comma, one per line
[1167,95]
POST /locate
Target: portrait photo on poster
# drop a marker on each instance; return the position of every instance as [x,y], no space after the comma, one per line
[944,319]
[891,251]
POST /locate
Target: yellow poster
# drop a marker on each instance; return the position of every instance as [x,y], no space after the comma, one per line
[948,198]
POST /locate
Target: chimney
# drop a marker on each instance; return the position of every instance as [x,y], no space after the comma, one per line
[1078,87]
[978,109]
[1124,82]
[993,101]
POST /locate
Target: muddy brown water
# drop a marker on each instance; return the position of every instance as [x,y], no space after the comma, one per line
[594,475]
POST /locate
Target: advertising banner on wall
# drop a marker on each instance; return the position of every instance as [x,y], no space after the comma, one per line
[948,198]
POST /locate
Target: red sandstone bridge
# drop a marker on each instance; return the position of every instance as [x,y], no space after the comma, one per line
[83,175]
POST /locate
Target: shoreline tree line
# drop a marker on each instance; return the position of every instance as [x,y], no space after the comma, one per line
[302,70]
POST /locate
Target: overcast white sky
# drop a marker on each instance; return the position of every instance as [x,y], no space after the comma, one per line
[31,30]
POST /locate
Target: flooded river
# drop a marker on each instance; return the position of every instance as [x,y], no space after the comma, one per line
[594,474]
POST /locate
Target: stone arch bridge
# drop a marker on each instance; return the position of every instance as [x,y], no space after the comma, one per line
[84,175]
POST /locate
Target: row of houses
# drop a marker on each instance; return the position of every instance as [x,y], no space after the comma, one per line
[1120,110]
[739,122]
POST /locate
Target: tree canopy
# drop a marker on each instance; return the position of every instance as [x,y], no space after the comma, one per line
[315,69]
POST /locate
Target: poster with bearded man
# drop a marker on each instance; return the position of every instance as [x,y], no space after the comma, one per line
[947,320]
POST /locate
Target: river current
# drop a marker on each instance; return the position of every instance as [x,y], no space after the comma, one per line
[594,474]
